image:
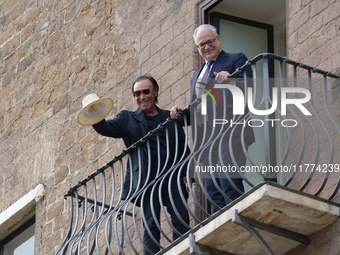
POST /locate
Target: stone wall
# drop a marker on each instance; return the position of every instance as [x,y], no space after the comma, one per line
[52,54]
[313,37]
[313,33]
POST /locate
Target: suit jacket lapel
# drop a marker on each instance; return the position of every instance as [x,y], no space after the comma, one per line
[163,114]
[139,115]
[193,83]
[218,62]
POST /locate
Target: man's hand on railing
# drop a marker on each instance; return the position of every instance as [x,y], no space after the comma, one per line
[221,76]
[174,110]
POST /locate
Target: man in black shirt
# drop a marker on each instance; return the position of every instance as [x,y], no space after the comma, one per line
[149,165]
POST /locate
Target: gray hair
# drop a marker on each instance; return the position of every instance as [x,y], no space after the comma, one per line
[214,29]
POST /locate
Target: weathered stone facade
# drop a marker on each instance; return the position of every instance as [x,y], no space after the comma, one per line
[53,53]
[313,33]
[313,37]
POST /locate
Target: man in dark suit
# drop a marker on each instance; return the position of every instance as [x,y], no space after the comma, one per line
[148,163]
[216,69]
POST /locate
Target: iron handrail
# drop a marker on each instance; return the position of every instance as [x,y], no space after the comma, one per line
[111,231]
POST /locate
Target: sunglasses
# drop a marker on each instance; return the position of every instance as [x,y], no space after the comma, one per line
[137,93]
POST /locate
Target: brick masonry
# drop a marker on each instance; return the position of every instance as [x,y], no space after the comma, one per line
[314,38]
[54,52]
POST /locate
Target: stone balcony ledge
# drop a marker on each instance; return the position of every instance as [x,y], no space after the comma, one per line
[268,204]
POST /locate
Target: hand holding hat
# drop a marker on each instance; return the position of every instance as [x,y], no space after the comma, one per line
[94,110]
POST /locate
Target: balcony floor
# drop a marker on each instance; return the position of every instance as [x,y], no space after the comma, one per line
[270,204]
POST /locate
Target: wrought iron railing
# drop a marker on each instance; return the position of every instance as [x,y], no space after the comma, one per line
[294,149]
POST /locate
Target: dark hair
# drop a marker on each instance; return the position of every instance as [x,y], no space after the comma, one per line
[153,81]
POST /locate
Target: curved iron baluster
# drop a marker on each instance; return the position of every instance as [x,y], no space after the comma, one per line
[123,233]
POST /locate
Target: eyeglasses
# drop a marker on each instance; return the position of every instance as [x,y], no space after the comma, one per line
[137,93]
[209,42]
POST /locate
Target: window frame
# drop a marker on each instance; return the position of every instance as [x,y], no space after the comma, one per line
[15,234]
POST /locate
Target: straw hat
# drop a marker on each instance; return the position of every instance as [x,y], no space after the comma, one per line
[94,110]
